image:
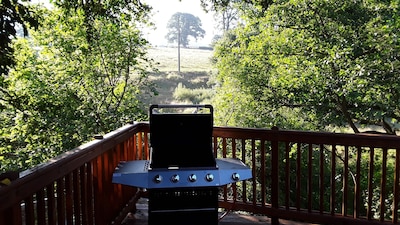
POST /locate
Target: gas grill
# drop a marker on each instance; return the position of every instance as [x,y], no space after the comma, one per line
[182,176]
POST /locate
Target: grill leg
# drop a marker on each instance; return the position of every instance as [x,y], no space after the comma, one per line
[274,221]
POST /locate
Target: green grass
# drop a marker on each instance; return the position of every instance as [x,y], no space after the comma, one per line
[191,59]
[196,69]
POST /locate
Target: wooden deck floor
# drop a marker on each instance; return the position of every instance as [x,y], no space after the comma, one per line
[231,218]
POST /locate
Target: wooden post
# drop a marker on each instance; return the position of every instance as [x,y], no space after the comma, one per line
[274,177]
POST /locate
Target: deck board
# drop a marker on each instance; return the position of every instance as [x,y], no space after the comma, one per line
[231,218]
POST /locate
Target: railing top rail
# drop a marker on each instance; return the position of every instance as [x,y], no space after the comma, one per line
[312,137]
[34,179]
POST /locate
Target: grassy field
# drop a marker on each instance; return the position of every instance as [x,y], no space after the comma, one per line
[191,59]
[196,69]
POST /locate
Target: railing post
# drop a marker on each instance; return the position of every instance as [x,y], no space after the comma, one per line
[274,176]
[11,216]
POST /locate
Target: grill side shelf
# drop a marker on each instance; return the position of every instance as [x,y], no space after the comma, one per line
[132,173]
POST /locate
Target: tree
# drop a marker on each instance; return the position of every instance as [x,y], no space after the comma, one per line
[15,16]
[226,15]
[13,13]
[181,26]
[215,5]
[324,63]
[313,65]
[114,11]
[70,85]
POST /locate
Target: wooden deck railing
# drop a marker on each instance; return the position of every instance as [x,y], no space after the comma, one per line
[326,178]
[76,187]
[308,176]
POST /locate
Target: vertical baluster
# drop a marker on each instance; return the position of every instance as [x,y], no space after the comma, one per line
[224,147]
[244,191]
[113,190]
[357,188]
[146,146]
[76,196]
[134,154]
[90,195]
[61,202]
[224,156]
[69,199]
[117,188]
[140,146]
[287,175]
[345,181]
[124,153]
[396,188]
[234,148]
[51,206]
[110,162]
[383,185]
[333,181]
[29,211]
[234,187]
[253,161]
[263,175]
[41,207]
[84,194]
[370,182]
[215,144]
[298,177]
[309,183]
[321,177]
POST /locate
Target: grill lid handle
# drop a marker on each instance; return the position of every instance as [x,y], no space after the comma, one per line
[154,108]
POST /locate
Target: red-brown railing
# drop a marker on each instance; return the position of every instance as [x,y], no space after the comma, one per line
[317,177]
[76,187]
[308,176]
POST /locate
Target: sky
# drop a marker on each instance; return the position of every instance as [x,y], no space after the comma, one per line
[162,12]
[164,9]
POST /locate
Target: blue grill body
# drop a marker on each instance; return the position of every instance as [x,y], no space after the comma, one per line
[182,176]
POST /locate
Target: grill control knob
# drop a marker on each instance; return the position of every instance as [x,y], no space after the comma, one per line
[209,177]
[157,179]
[192,177]
[235,176]
[175,178]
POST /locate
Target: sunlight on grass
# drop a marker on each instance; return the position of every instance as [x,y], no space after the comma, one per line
[191,59]
[196,69]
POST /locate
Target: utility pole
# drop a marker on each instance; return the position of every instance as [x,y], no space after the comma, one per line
[179,44]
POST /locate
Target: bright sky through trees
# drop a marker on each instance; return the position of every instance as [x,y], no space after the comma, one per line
[162,12]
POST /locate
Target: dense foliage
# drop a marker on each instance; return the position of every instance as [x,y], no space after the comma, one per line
[14,14]
[312,64]
[82,73]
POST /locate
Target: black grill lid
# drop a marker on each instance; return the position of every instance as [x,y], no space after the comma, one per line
[181,136]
